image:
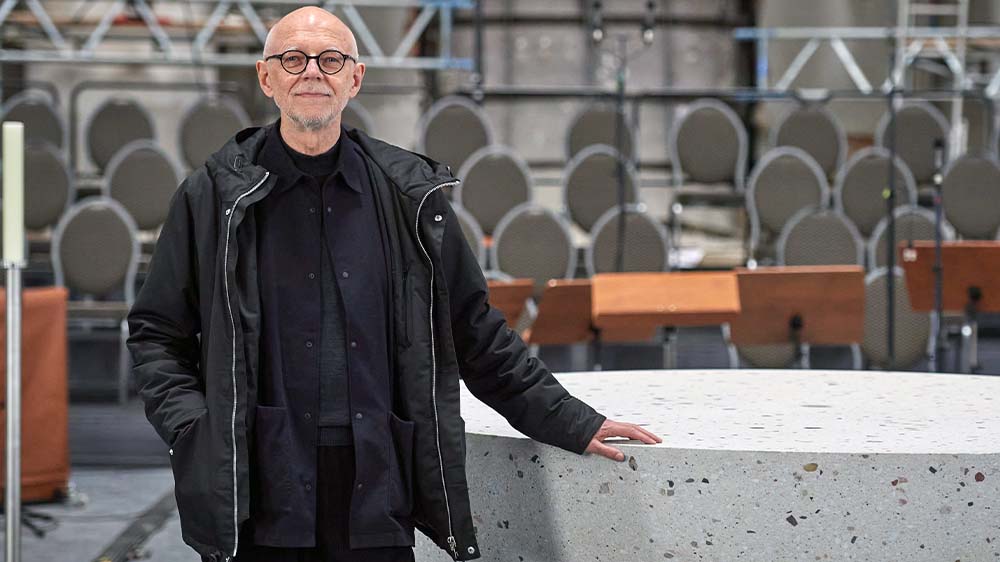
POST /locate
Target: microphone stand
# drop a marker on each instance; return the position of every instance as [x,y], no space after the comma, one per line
[890,199]
[622,59]
[937,348]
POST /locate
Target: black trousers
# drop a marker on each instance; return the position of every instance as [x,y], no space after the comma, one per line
[335,480]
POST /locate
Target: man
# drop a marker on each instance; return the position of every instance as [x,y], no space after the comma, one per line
[300,335]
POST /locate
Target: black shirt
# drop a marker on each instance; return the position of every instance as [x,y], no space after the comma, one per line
[317,251]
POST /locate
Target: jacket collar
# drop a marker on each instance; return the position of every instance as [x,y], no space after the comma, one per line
[275,158]
[233,167]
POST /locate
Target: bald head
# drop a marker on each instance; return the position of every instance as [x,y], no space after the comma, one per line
[311,100]
[309,22]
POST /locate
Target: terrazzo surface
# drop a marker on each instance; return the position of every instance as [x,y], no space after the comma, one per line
[755,465]
[787,411]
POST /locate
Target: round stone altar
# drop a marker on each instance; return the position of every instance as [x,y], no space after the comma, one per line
[754,465]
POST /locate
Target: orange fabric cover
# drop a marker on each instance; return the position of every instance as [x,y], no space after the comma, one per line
[44,395]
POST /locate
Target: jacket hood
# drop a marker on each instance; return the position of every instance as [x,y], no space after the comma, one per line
[233,166]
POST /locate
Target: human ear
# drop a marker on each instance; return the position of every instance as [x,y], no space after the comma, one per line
[264,79]
[356,78]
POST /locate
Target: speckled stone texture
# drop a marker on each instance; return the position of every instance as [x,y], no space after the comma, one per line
[755,465]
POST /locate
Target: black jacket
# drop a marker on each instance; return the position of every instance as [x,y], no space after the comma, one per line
[195,333]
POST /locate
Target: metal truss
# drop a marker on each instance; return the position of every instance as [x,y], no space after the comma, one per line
[946,47]
[916,41]
[200,50]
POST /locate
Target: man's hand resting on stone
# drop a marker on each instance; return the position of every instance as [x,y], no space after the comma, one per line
[617,429]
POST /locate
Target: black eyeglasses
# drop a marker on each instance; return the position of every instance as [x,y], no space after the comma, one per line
[330,61]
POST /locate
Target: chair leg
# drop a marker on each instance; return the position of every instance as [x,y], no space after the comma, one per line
[968,348]
[856,357]
[804,352]
[674,218]
[734,356]
[123,364]
[669,342]
[596,353]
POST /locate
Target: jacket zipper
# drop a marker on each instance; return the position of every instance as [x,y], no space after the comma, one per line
[232,325]
[437,428]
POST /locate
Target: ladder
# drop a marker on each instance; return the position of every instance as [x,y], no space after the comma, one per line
[926,16]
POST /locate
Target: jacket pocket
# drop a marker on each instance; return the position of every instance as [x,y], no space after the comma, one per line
[194,480]
[400,495]
[271,456]
[407,336]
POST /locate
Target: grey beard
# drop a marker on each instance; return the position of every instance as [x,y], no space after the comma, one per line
[312,123]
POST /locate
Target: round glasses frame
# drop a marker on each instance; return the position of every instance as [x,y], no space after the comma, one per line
[281,58]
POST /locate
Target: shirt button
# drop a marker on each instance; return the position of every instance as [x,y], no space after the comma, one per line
[309,343]
[360,486]
[354,344]
[358,415]
[308,416]
[329,209]
[312,210]
[345,275]
[309,487]
[312,275]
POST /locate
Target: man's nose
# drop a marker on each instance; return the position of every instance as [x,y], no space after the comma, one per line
[312,69]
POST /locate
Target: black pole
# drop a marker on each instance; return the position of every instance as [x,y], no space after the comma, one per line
[890,199]
[620,146]
[937,359]
[478,76]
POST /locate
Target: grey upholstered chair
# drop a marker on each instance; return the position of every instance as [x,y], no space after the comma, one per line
[115,123]
[970,192]
[858,191]
[820,237]
[48,185]
[590,184]
[708,152]
[912,223]
[912,329]
[95,254]
[42,120]
[595,124]
[473,234]
[816,130]
[646,245]
[918,126]
[533,242]
[783,182]
[356,116]
[494,181]
[708,145]
[452,129]
[143,178]
[207,125]
[771,356]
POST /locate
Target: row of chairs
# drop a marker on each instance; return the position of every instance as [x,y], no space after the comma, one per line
[495,180]
[118,121]
[531,241]
[141,176]
[787,188]
[709,143]
[135,167]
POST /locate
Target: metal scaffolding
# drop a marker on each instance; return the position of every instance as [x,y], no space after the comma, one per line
[71,41]
[912,40]
[942,48]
